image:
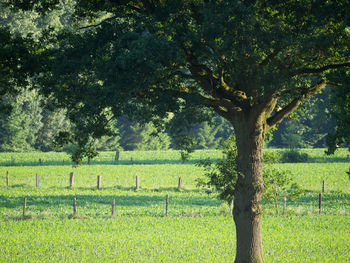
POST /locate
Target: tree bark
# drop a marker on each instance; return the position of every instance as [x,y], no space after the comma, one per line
[250,132]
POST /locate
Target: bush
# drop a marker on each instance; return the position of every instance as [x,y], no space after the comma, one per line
[220,178]
[272,157]
[294,156]
[278,184]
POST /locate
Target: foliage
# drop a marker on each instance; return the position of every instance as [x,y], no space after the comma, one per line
[108,143]
[221,177]
[309,126]
[134,136]
[21,53]
[52,122]
[340,111]
[20,128]
[31,124]
[277,184]
[16,64]
[185,70]
[272,157]
[209,135]
[294,156]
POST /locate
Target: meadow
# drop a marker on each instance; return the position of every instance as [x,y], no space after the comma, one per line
[199,227]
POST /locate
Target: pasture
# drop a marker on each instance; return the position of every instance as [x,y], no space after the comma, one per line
[198,228]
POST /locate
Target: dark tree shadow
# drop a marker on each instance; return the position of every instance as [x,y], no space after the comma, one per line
[120,200]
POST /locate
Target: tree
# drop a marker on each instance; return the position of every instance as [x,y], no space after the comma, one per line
[19,128]
[134,136]
[15,64]
[340,111]
[252,62]
[210,135]
[19,47]
[53,121]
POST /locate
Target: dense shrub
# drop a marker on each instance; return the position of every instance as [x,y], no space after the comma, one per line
[294,156]
[272,157]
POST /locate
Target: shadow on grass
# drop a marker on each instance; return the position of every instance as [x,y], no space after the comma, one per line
[127,189]
[44,202]
[330,200]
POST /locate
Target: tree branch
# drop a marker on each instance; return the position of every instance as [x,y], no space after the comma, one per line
[212,85]
[321,69]
[134,8]
[270,57]
[149,6]
[281,114]
[98,24]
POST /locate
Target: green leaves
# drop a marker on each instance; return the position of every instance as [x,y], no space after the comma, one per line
[221,177]
[340,111]
[279,183]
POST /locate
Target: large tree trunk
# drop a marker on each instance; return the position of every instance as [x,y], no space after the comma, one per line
[250,134]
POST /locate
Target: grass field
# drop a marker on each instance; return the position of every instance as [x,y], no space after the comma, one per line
[198,229]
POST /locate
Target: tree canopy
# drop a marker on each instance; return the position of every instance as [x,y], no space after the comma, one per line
[251,62]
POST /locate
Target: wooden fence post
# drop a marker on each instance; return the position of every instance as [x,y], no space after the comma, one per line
[323,186]
[319,204]
[40,162]
[131,160]
[116,156]
[284,205]
[276,200]
[166,205]
[74,206]
[348,158]
[37,180]
[7,179]
[24,206]
[99,182]
[71,179]
[180,184]
[137,183]
[89,160]
[113,207]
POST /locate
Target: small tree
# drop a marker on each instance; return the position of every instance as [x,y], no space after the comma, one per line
[221,177]
[277,184]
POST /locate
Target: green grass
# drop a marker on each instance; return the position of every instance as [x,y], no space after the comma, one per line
[147,157]
[198,229]
[174,239]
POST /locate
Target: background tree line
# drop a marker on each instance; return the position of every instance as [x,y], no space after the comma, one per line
[33,124]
